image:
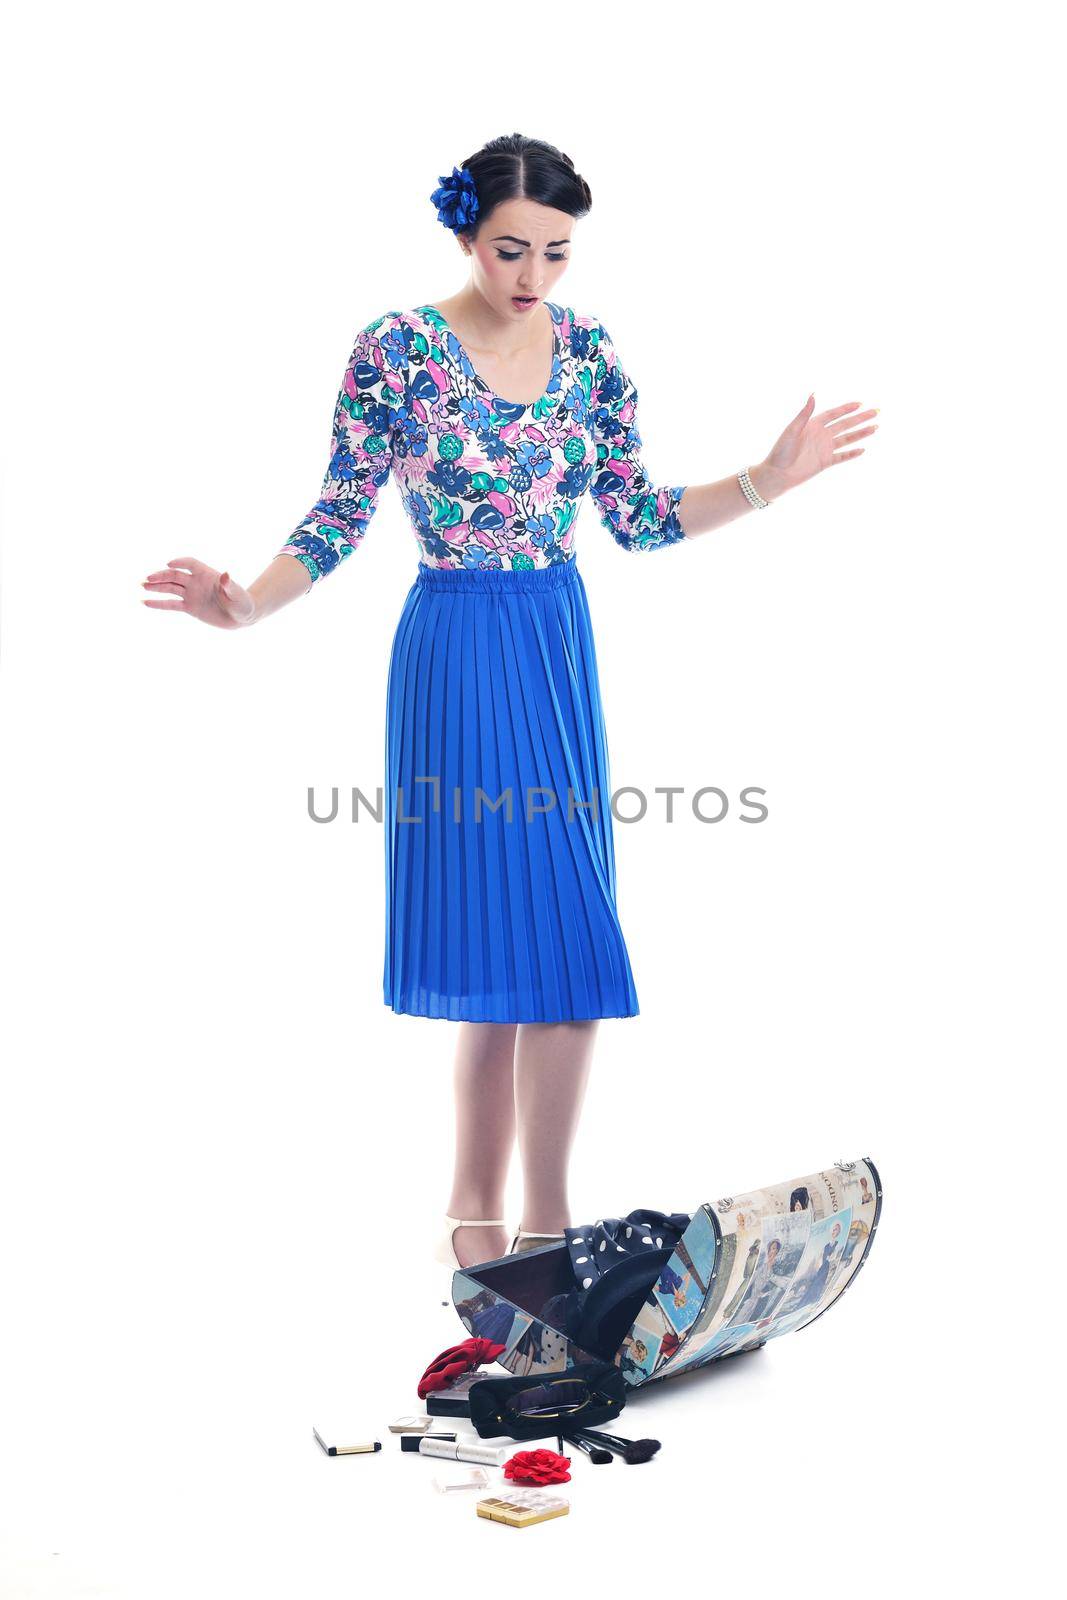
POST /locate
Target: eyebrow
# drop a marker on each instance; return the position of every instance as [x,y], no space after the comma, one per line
[526,242]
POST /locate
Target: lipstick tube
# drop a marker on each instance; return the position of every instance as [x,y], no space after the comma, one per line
[460,1447]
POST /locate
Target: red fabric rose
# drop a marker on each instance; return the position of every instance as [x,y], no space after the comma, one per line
[537,1466]
[457,1359]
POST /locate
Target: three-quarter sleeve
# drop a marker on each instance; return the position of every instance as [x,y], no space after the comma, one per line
[361,450]
[640,515]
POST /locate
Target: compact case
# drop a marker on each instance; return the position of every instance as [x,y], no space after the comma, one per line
[744,1270]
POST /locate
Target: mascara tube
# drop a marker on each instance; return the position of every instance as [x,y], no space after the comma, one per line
[460,1447]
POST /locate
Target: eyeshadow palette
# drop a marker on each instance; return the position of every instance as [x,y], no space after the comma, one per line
[521,1508]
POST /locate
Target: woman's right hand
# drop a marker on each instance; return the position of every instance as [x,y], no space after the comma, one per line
[202,592]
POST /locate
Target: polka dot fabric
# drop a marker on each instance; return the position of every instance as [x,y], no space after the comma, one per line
[487,483]
[596,1247]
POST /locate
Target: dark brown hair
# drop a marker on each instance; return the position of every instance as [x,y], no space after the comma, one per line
[513,167]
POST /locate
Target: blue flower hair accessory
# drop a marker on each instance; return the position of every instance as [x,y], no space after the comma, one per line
[457,199]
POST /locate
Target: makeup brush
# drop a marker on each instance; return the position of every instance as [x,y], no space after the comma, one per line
[633,1451]
[617,1438]
[599,1458]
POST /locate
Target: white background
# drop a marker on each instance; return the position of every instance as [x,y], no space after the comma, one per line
[224,1160]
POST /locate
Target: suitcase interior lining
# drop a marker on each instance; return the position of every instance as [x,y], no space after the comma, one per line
[528,1279]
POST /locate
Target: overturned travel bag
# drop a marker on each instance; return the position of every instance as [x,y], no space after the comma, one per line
[661,1293]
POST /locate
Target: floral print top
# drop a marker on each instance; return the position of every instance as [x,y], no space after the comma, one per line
[486,482]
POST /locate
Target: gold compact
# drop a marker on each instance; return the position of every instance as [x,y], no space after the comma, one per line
[523,1507]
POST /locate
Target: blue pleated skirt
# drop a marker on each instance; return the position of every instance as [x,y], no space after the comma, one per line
[499,857]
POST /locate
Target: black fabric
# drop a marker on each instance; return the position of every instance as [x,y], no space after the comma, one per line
[610,1307]
[615,1262]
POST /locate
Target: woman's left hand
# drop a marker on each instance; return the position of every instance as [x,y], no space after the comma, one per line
[809,444]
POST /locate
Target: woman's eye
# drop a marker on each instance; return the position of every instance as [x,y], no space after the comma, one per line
[513,255]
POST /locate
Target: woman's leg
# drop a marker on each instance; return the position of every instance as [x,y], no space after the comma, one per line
[483,1078]
[552,1061]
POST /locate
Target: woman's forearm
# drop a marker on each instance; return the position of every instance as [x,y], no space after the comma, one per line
[703,506]
[285,579]
[709,505]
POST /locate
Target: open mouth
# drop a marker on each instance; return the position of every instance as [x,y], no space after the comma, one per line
[524,299]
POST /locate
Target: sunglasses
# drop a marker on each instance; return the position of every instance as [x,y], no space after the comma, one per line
[535,1406]
[562,1398]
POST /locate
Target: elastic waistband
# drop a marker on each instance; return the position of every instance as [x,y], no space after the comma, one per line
[498,580]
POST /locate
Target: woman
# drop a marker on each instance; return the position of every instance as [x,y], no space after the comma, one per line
[496,410]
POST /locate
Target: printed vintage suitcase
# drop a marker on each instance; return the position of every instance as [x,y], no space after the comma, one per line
[746,1269]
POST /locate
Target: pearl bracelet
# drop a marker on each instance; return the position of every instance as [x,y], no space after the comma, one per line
[751,493]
